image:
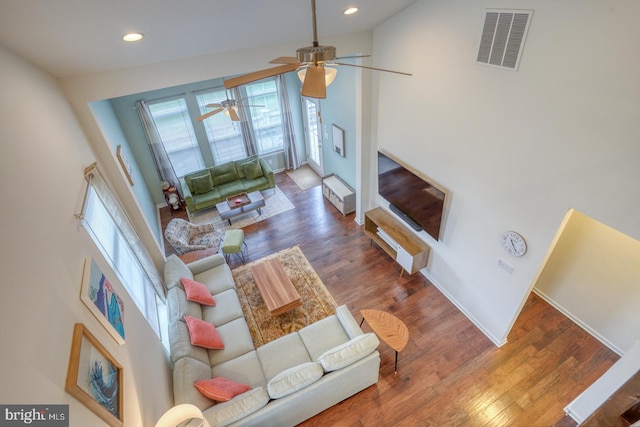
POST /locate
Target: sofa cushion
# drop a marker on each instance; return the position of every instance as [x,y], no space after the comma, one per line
[216,279]
[274,360]
[224,173]
[220,389]
[349,352]
[231,188]
[203,334]
[252,169]
[186,372]
[323,335]
[201,184]
[174,270]
[237,339]
[241,162]
[237,408]
[179,306]
[180,344]
[197,292]
[227,308]
[294,379]
[245,368]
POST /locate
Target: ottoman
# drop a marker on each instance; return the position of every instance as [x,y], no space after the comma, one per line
[233,243]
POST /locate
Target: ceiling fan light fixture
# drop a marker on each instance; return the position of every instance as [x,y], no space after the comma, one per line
[132,37]
[351,11]
[329,75]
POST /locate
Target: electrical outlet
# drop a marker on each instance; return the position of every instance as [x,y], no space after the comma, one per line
[505,266]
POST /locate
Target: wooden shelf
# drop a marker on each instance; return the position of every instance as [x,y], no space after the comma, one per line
[396,240]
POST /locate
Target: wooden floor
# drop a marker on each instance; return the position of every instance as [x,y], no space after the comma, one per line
[449,374]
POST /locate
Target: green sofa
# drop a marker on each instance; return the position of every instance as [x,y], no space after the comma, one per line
[206,187]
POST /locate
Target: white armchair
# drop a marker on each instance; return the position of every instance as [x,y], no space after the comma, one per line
[186,237]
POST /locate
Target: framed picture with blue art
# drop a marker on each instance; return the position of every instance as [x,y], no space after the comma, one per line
[102,300]
[94,377]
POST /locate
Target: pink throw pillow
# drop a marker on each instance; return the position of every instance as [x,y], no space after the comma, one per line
[220,389]
[203,334]
[197,292]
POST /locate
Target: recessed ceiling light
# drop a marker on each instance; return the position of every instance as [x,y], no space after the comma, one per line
[351,11]
[132,37]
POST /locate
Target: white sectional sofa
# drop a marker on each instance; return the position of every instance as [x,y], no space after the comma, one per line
[293,378]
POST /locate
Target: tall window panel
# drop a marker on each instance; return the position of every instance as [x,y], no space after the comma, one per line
[223,134]
[116,249]
[174,125]
[266,121]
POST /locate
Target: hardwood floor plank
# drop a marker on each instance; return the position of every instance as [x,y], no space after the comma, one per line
[449,373]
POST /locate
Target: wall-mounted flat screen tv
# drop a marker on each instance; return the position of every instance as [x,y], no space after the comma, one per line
[412,197]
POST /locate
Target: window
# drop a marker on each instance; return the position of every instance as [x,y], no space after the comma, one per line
[267,120]
[224,135]
[117,248]
[175,128]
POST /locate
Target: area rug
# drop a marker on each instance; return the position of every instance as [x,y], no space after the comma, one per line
[317,302]
[275,203]
[305,177]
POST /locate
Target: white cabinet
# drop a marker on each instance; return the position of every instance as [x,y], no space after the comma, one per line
[339,194]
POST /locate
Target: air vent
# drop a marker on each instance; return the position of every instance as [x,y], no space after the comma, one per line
[503,37]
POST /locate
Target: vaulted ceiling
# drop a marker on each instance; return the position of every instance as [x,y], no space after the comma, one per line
[77,37]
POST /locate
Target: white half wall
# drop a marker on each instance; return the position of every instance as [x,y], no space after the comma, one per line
[516,149]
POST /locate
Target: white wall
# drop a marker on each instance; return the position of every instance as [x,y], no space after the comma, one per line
[593,275]
[42,253]
[515,149]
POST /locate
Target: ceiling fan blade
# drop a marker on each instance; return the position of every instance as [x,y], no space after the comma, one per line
[233,115]
[371,68]
[284,60]
[213,105]
[259,75]
[209,114]
[314,85]
[353,56]
[244,105]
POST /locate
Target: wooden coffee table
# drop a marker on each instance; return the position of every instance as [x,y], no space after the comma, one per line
[275,287]
[389,328]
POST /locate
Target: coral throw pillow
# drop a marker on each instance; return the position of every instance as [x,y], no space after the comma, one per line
[220,389]
[203,334]
[197,292]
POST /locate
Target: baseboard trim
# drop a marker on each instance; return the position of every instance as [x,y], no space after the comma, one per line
[577,321]
[497,342]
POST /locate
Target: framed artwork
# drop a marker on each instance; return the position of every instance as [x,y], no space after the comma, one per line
[94,377]
[102,300]
[338,140]
[124,162]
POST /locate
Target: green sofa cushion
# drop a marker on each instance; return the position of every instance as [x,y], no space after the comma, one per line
[201,184]
[224,173]
[252,170]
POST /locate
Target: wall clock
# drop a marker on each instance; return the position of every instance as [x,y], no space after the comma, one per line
[514,243]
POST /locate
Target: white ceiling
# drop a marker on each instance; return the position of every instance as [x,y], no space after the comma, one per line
[76,37]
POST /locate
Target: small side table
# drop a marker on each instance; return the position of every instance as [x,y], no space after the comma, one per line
[168,192]
[389,328]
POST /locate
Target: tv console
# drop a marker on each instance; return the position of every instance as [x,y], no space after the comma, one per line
[396,240]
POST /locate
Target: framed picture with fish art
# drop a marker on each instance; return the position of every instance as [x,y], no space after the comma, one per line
[102,300]
[94,377]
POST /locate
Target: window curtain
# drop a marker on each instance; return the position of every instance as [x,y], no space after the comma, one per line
[291,160]
[160,156]
[245,127]
[124,224]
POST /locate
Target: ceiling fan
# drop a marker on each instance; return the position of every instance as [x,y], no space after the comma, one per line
[229,106]
[311,61]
